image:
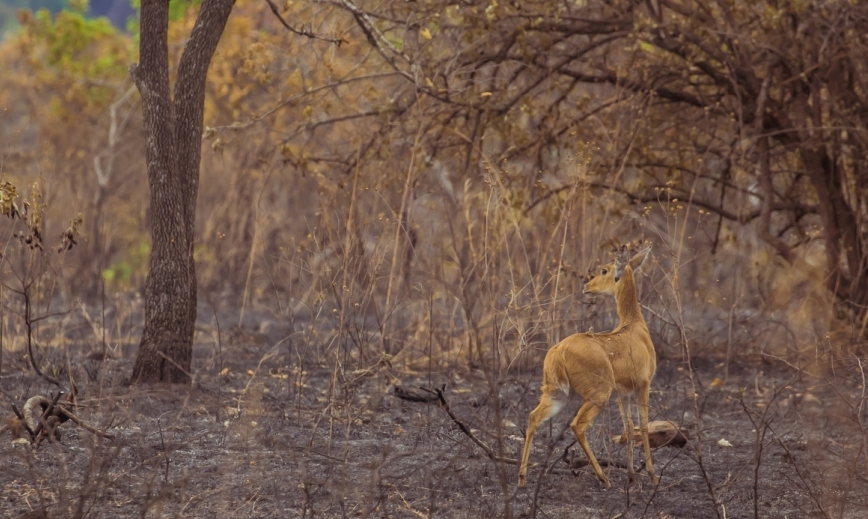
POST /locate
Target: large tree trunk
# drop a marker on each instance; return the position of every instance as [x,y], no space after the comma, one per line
[839,202]
[173,127]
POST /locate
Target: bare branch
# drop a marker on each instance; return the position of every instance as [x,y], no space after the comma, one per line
[635,86]
[411,396]
[303,31]
[438,392]
[81,423]
[376,38]
[765,176]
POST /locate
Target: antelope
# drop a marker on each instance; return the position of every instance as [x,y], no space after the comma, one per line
[595,364]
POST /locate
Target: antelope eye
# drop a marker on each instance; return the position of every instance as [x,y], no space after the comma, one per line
[605,271]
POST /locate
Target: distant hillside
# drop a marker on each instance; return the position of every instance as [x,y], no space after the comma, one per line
[117,11]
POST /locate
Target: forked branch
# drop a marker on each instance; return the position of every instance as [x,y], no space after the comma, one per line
[303,31]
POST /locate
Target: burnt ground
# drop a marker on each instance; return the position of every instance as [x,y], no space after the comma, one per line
[266,433]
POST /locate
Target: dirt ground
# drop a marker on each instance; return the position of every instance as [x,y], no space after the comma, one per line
[264,433]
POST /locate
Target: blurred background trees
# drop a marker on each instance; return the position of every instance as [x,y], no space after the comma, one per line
[439,181]
[117,12]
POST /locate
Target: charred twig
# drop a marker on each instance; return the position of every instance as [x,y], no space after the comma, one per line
[438,392]
[46,425]
[81,423]
[46,411]
[411,396]
[28,323]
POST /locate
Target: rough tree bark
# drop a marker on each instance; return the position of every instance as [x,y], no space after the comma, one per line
[173,127]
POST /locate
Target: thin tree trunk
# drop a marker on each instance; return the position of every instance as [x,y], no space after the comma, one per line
[173,128]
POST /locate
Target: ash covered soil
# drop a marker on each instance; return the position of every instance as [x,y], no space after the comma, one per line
[265,433]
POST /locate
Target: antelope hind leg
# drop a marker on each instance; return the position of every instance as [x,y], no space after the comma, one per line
[547,408]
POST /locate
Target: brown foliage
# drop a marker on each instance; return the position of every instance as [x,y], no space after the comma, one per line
[457,164]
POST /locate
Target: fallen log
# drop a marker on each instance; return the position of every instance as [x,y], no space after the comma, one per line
[661,433]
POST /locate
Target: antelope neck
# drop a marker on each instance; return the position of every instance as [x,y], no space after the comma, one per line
[628,303]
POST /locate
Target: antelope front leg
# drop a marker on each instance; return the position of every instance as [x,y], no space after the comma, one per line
[586,414]
[643,425]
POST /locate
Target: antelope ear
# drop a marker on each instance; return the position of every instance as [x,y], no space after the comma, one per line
[640,258]
[622,259]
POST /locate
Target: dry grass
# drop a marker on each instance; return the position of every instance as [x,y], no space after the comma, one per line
[324,284]
[297,347]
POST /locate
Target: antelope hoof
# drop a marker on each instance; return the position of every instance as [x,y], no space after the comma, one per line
[604,483]
[631,477]
[654,480]
[522,480]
